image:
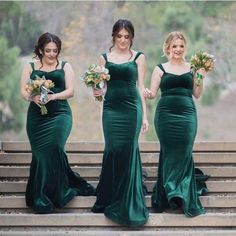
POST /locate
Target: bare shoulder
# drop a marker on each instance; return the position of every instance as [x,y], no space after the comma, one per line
[135,53]
[165,64]
[68,66]
[158,70]
[188,65]
[140,57]
[102,60]
[27,68]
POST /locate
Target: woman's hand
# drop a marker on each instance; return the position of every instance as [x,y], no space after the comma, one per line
[202,72]
[97,92]
[198,82]
[36,100]
[145,125]
[51,97]
[147,93]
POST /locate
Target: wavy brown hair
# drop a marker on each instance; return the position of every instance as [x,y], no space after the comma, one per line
[43,40]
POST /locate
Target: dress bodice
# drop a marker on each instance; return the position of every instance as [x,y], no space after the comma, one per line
[176,84]
[57,76]
[123,79]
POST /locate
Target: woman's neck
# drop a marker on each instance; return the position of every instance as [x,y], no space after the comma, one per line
[45,63]
[119,51]
[176,62]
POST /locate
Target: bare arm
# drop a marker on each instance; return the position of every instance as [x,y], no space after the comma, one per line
[99,92]
[25,76]
[197,90]
[155,83]
[69,85]
[101,61]
[141,63]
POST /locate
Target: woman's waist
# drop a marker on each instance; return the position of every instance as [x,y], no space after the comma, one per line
[122,93]
[116,100]
[176,103]
[123,100]
[52,106]
[122,86]
[177,92]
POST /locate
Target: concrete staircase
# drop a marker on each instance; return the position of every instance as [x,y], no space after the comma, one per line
[218,159]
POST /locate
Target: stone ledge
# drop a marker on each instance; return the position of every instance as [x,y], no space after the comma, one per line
[106,232]
[23,146]
[96,158]
[90,219]
[94,172]
[219,186]
[18,202]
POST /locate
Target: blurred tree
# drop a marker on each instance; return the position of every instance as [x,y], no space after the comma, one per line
[85,28]
[222,33]
[53,16]
[197,20]
[11,104]
[19,27]
[211,93]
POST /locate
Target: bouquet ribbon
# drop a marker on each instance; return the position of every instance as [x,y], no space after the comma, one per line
[199,78]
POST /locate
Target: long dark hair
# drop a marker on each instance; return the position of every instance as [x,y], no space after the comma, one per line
[43,40]
[118,26]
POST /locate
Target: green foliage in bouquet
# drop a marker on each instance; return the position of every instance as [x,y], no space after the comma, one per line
[201,60]
[95,77]
[37,87]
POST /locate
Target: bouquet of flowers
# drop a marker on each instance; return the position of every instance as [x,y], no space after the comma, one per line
[40,86]
[201,60]
[94,77]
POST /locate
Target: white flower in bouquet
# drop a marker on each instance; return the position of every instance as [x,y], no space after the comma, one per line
[95,77]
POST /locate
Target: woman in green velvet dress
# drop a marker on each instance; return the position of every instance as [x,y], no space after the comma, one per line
[120,192]
[176,127]
[51,182]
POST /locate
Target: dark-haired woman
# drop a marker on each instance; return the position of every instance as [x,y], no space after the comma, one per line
[119,192]
[52,183]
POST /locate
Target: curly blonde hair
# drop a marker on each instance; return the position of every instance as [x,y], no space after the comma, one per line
[171,37]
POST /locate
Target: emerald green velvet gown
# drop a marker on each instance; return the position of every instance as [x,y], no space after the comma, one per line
[119,193]
[176,126]
[51,183]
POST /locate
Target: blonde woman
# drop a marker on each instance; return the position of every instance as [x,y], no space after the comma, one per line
[176,127]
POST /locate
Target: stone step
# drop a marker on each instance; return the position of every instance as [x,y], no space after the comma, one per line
[94,172]
[96,159]
[106,232]
[22,146]
[18,202]
[91,219]
[222,186]
[217,159]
